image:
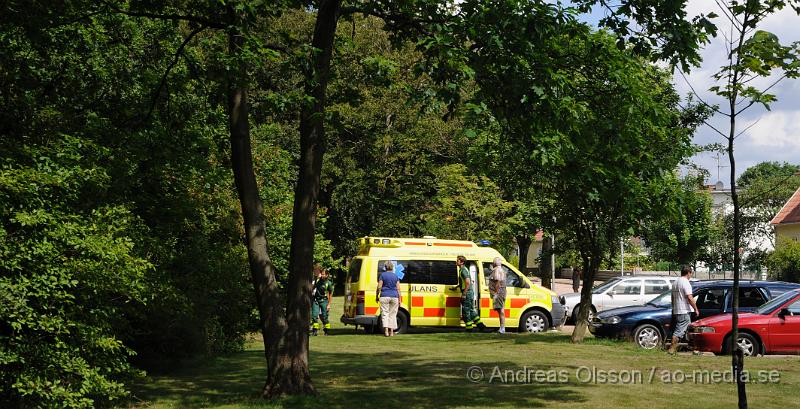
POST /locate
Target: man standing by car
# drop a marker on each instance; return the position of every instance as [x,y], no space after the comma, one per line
[468,312]
[682,306]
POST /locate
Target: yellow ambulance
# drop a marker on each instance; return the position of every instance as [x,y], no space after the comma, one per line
[429,274]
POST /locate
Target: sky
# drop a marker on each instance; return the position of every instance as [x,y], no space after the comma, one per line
[775,134]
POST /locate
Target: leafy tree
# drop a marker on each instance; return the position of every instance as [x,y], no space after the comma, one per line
[784,262]
[753,53]
[718,255]
[385,150]
[67,271]
[465,207]
[765,171]
[627,135]
[765,189]
[681,232]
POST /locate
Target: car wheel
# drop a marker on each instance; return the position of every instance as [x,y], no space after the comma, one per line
[589,318]
[747,343]
[647,336]
[534,321]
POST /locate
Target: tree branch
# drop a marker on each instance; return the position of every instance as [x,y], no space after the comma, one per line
[748,127]
[177,57]
[691,87]
[752,101]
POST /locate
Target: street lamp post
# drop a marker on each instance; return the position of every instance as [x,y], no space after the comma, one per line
[553,262]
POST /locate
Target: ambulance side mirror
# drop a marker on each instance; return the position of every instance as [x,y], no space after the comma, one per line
[525,285]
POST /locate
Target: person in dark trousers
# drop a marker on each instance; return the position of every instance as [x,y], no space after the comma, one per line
[468,312]
[576,279]
[321,300]
[682,306]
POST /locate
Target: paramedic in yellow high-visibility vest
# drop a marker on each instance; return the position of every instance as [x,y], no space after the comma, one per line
[468,312]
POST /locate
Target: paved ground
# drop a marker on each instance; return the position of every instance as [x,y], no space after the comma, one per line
[563,285]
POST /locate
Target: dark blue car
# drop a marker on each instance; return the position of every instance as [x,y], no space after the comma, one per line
[648,325]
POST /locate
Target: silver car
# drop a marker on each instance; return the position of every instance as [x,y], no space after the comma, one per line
[620,292]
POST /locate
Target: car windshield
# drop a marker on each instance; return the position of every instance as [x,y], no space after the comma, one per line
[605,286]
[663,300]
[773,304]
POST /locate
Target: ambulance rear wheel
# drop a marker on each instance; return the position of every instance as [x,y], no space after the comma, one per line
[534,321]
[402,322]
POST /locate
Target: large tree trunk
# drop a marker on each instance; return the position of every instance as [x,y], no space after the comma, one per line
[545,262]
[261,269]
[291,375]
[524,244]
[591,265]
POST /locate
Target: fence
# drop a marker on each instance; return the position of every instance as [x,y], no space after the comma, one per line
[603,275]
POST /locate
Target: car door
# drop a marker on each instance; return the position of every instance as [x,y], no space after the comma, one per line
[784,329]
[628,292]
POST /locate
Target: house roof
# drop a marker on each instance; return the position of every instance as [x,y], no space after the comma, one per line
[790,212]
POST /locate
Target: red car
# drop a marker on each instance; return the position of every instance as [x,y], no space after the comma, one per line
[773,328]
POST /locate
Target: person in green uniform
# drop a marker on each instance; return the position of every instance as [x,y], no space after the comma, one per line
[321,301]
[468,312]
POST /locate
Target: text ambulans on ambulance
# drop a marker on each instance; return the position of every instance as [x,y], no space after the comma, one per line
[429,286]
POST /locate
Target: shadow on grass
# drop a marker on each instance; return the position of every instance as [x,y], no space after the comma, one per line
[345,380]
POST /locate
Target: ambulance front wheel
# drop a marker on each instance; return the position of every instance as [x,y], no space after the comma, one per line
[534,321]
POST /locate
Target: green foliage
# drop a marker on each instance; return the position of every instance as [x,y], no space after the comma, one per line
[128,201]
[784,262]
[657,29]
[465,207]
[680,228]
[719,256]
[67,274]
[765,189]
[766,171]
[384,170]
[617,151]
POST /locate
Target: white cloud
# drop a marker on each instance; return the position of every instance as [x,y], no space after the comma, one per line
[776,134]
[776,129]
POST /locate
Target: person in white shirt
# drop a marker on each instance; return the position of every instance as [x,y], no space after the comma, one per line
[682,306]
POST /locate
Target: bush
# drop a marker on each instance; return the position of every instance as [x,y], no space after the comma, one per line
[784,262]
[66,272]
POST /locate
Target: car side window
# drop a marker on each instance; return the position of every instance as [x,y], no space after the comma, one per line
[424,271]
[632,287]
[750,297]
[512,279]
[655,286]
[794,308]
[711,299]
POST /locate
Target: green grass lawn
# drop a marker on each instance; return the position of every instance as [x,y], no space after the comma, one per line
[428,368]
